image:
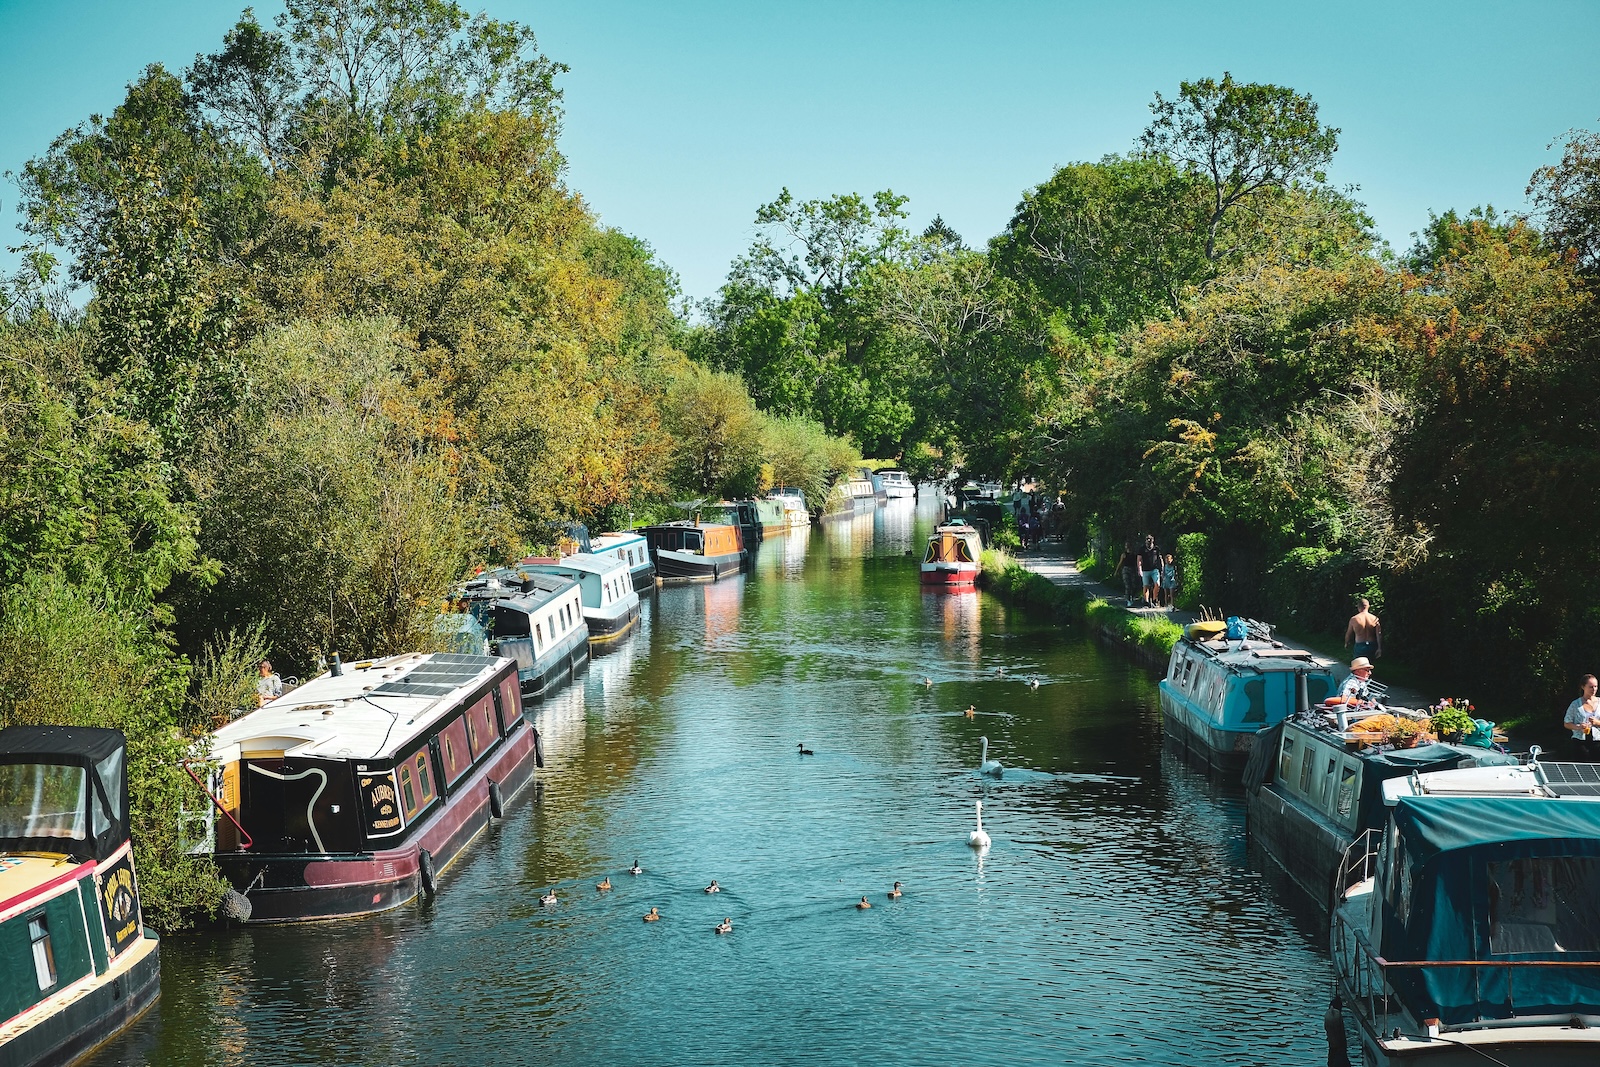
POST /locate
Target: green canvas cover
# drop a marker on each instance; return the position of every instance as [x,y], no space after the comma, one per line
[1494,879]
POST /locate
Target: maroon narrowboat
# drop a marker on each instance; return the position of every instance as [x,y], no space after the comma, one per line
[352,793]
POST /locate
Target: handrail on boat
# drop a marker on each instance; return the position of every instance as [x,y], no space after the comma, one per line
[1360,858]
[249,842]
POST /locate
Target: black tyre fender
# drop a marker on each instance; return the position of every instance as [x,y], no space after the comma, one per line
[425,873]
[497,807]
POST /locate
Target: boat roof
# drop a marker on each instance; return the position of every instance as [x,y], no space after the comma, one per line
[1262,656]
[613,539]
[369,711]
[1434,825]
[578,563]
[525,589]
[1566,781]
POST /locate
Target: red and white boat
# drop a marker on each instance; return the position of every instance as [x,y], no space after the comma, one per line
[353,793]
[954,555]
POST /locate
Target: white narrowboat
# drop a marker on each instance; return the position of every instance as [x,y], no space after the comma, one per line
[535,619]
[897,485]
[632,549]
[610,603]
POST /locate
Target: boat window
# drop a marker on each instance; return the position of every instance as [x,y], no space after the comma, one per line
[1544,904]
[1306,762]
[1255,693]
[1317,688]
[538,633]
[1344,804]
[510,704]
[1286,760]
[43,800]
[1326,788]
[44,956]
[453,747]
[481,730]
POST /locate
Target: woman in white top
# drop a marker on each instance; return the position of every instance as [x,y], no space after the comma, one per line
[1583,712]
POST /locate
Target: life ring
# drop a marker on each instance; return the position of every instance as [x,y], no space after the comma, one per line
[497,808]
[425,872]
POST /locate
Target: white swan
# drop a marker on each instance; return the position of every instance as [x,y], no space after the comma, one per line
[978,838]
[987,765]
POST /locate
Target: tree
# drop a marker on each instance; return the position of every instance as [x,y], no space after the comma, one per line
[1567,198]
[250,87]
[716,434]
[1242,138]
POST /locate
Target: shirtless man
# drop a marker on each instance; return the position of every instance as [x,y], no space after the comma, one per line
[1365,631]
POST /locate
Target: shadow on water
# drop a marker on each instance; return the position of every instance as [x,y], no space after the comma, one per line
[1115,918]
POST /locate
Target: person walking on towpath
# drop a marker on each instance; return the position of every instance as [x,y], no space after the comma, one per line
[1583,716]
[1128,567]
[1150,571]
[1366,631]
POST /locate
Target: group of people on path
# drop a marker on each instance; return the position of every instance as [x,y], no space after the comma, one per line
[1149,573]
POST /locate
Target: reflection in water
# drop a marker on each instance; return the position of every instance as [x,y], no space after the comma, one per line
[1114,919]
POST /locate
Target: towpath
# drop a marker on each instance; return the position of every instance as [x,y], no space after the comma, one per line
[1054,562]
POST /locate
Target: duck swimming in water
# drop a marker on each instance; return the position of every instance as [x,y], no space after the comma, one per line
[895,894]
[549,899]
[804,751]
[1033,682]
[725,926]
[603,886]
[971,712]
[863,906]
[652,916]
[713,887]
[636,869]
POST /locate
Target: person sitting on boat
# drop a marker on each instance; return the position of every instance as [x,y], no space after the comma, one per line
[1583,714]
[269,686]
[1354,689]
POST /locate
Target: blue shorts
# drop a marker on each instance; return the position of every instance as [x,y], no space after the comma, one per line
[1151,578]
[1364,648]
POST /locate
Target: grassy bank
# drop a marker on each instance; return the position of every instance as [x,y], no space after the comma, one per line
[1010,581]
[1156,634]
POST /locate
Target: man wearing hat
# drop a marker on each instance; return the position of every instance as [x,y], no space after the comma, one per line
[1356,684]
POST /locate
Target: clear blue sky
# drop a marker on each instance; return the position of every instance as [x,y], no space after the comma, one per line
[683,117]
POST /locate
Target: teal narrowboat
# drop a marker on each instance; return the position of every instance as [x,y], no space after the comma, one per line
[79,964]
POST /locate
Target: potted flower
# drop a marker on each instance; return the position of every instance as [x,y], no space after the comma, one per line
[1402,733]
[1452,719]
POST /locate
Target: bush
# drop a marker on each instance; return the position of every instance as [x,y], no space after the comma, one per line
[1189,557]
[1315,588]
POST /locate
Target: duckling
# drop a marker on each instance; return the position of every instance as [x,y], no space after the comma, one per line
[971,712]
[713,887]
[603,886]
[725,926]
[927,683]
[863,906]
[549,899]
[652,916]
[804,751]
[636,869]
[895,894]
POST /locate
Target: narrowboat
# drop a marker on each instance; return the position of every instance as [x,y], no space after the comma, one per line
[79,965]
[610,603]
[897,485]
[740,513]
[354,792]
[862,494]
[1467,927]
[954,556]
[695,551]
[795,510]
[1218,693]
[535,619]
[632,549]
[1314,785]
[770,514]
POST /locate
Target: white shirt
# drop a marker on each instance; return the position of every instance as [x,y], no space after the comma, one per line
[1355,687]
[1579,716]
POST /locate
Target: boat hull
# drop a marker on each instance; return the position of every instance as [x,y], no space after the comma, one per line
[1202,740]
[692,567]
[301,888]
[555,668]
[84,1021]
[950,575]
[605,630]
[1307,848]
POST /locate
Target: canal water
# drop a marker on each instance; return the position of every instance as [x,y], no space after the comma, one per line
[1116,918]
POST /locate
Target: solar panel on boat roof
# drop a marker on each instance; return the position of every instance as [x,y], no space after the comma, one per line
[437,675]
[1572,779]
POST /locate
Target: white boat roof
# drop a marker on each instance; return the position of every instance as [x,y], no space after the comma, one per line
[368,712]
[1545,781]
[576,564]
[615,538]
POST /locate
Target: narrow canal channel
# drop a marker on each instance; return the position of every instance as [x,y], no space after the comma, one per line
[1114,920]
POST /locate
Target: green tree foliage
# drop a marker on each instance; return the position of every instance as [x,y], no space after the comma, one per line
[1567,197]
[716,434]
[801,454]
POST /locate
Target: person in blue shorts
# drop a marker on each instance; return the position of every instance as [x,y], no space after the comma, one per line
[1150,571]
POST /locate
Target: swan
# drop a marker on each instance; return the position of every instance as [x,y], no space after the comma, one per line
[863,906]
[604,885]
[652,916]
[895,894]
[978,838]
[636,869]
[549,899]
[804,751]
[971,712]
[987,765]
[713,887]
[725,926]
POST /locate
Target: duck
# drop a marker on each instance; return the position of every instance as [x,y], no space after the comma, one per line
[549,899]
[895,894]
[863,905]
[987,765]
[978,838]
[725,926]
[927,683]
[971,712]
[804,751]
[603,886]
[999,672]
[713,887]
[1033,682]
[636,869]
[652,916]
